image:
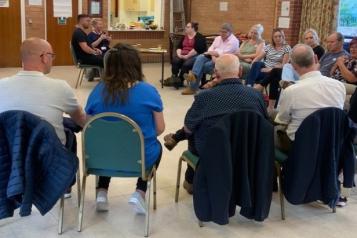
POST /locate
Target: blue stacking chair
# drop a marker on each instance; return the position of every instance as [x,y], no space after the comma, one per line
[113,145]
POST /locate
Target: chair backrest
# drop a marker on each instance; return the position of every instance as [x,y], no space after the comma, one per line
[322,143]
[113,145]
[73,54]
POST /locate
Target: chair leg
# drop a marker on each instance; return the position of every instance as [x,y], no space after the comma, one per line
[78,188]
[60,217]
[200,223]
[281,195]
[178,179]
[78,78]
[147,217]
[154,188]
[80,81]
[80,211]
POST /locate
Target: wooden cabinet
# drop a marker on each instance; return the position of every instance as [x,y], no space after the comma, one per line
[136,5]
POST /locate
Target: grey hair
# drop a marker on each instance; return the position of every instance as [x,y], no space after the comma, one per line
[339,36]
[259,27]
[227,26]
[302,55]
[314,34]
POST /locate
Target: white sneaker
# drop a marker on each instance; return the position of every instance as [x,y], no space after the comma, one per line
[102,201]
[67,195]
[138,202]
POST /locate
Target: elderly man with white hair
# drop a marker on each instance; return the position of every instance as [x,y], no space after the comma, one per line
[228,96]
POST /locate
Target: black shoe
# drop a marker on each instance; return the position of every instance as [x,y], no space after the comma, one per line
[177,82]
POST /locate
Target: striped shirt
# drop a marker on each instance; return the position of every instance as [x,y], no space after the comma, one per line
[273,56]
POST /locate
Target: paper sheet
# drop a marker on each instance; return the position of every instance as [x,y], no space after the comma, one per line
[284,22]
[35,2]
[223,6]
[285,8]
[4,3]
[62,8]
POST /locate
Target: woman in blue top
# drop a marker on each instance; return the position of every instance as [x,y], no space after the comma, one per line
[124,91]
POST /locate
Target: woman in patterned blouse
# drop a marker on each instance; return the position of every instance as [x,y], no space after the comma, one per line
[345,68]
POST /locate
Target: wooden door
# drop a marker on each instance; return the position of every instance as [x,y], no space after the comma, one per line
[58,35]
[10,34]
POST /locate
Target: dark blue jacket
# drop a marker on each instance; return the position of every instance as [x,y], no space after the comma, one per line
[235,169]
[35,168]
[322,148]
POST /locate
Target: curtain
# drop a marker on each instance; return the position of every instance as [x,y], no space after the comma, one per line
[320,15]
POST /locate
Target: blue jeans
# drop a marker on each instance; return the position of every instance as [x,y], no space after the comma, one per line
[202,65]
[255,75]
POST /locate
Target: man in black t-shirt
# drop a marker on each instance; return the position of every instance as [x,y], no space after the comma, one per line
[80,42]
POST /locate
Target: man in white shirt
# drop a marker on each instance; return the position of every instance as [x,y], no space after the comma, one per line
[312,92]
[30,90]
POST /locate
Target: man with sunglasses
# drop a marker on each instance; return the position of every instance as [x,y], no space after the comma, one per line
[30,90]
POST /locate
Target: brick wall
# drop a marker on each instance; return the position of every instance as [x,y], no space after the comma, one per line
[245,13]
[292,33]
[241,13]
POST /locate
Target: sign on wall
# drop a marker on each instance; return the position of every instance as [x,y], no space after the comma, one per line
[35,2]
[62,8]
[4,3]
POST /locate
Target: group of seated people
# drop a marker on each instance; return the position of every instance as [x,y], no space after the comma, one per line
[90,42]
[123,89]
[262,64]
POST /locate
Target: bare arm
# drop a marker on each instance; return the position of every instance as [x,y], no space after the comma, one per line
[259,57]
[97,42]
[259,49]
[346,74]
[89,50]
[159,122]
[191,54]
[79,116]
[285,59]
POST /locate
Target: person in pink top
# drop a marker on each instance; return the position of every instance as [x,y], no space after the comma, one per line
[225,43]
[191,45]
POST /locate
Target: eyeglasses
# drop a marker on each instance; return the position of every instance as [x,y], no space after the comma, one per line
[53,55]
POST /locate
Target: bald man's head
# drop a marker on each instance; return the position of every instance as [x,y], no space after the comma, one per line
[302,55]
[33,47]
[227,66]
[36,54]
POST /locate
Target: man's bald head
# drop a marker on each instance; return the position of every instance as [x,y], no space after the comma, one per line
[227,66]
[302,55]
[34,47]
[303,59]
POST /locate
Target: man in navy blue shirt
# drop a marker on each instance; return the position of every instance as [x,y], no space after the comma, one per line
[228,96]
[81,45]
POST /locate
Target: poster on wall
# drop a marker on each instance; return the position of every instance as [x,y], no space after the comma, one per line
[285,8]
[35,2]
[62,8]
[347,18]
[284,22]
[4,3]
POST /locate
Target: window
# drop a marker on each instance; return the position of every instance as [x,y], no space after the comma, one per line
[347,18]
[136,14]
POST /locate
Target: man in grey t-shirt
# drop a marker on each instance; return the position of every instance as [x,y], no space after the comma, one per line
[334,50]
